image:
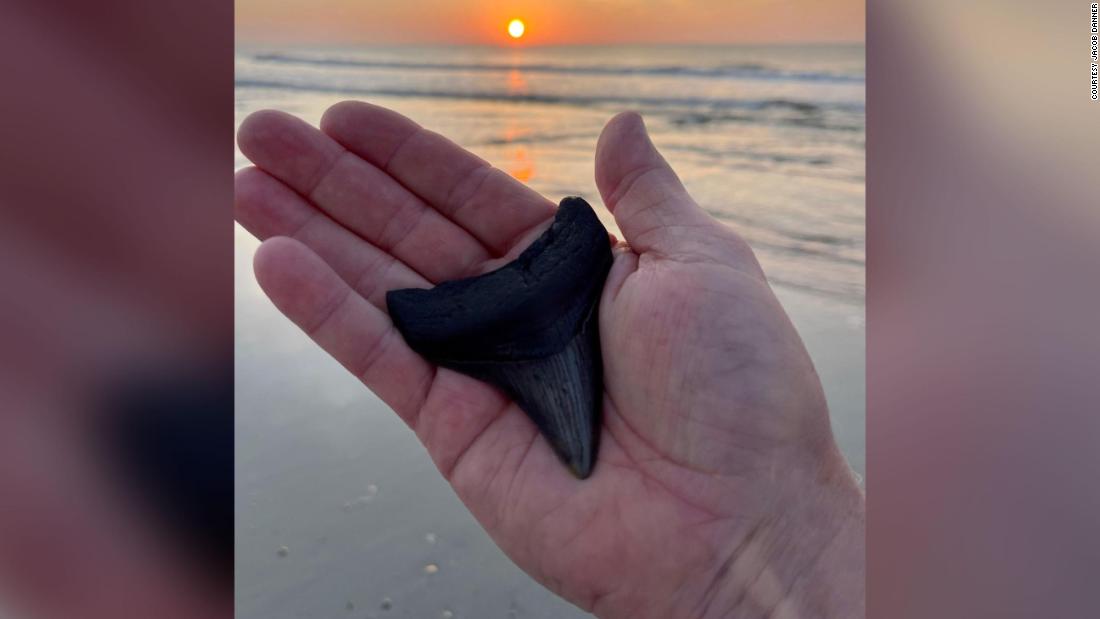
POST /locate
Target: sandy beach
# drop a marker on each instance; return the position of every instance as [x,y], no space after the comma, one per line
[339,510]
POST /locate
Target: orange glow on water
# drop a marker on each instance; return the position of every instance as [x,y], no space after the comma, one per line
[520,164]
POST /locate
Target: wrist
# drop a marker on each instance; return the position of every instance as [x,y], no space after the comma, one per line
[805,556]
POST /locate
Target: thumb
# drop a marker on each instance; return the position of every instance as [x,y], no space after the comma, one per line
[638,186]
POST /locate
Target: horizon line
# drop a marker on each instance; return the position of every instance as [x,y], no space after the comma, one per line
[545,45]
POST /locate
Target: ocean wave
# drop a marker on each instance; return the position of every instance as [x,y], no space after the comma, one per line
[802,108]
[806,115]
[732,71]
[769,157]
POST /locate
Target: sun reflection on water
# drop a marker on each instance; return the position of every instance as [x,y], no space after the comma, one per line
[517,83]
[519,162]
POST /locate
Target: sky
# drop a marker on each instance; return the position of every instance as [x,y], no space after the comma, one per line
[550,22]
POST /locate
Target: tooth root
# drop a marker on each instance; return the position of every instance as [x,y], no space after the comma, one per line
[531,328]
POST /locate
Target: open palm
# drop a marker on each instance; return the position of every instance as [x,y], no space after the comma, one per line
[718,488]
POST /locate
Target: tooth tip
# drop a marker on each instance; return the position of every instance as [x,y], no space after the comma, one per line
[580,470]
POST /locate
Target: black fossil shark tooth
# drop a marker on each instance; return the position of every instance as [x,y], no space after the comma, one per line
[530,327]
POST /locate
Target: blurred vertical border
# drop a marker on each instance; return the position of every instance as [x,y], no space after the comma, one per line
[983,301]
[983,310]
[116,309]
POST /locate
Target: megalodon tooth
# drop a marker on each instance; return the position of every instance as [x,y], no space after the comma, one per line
[531,328]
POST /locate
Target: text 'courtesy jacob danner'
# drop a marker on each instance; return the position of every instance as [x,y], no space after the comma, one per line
[1094,10]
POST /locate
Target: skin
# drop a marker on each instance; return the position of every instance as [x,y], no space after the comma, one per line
[719,490]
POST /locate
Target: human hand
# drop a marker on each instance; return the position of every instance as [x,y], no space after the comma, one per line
[718,489]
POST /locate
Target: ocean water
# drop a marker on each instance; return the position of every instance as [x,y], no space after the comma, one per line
[769,139]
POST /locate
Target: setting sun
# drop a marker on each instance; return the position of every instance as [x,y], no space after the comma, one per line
[516,28]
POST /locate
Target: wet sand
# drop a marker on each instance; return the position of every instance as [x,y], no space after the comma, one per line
[329,477]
